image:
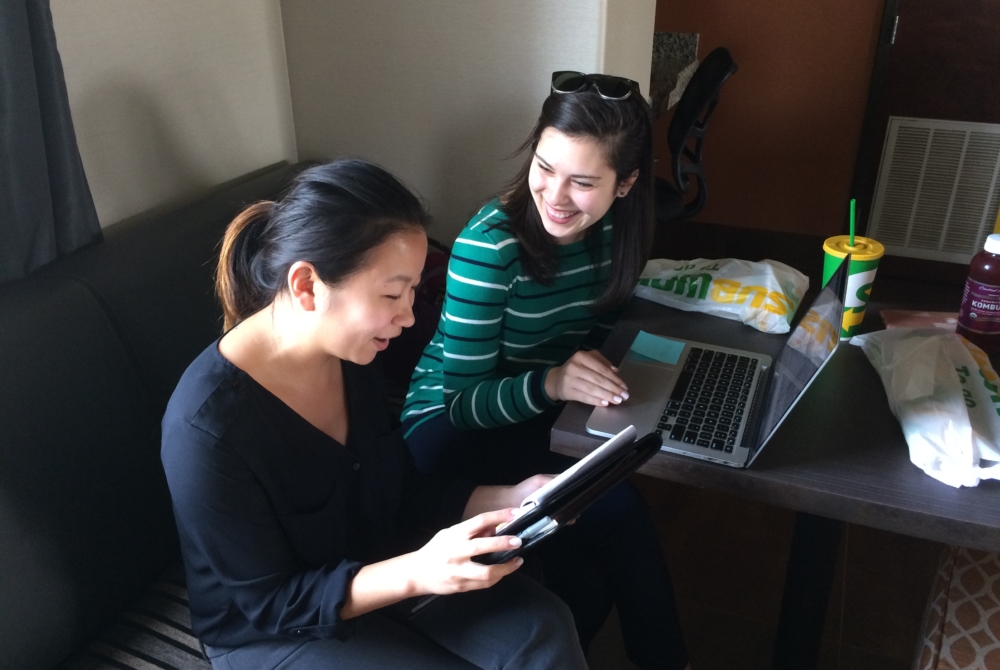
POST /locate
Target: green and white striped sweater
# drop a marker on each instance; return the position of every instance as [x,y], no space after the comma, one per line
[500,331]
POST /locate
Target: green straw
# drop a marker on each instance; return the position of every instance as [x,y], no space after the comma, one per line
[852,221]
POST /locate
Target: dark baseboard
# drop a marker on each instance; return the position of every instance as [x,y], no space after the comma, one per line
[919,269]
[693,239]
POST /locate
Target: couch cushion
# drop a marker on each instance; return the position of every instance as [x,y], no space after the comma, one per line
[154,633]
[85,517]
[154,274]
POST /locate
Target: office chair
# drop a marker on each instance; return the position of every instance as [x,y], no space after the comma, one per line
[690,120]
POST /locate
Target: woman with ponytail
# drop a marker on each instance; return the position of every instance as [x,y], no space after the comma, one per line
[301,519]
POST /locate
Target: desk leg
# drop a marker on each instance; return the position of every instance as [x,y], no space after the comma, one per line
[811,563]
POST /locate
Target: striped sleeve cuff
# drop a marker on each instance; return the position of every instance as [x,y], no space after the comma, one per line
[537,389]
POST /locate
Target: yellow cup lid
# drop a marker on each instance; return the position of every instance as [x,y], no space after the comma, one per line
[864,249]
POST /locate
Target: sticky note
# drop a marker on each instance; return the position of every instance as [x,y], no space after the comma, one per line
[657,348]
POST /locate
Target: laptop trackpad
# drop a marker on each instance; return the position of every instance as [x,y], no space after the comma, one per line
[649,386]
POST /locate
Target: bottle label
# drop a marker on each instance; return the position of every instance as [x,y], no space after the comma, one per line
[980,312]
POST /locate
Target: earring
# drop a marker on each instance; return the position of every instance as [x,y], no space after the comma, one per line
[621,194]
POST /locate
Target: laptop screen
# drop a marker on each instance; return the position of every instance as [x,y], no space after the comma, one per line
[807,349]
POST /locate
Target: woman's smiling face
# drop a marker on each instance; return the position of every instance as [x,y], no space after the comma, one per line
[373,305]
[572,185]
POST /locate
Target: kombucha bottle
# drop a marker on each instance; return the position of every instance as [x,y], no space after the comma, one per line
[979,316]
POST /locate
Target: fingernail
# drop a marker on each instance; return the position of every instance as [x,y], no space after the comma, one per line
[625,395]
[618,399]
[604,402]
[613,368]
[515,541]
[518,561]
[516,512]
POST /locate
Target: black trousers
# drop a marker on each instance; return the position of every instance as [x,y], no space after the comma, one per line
[610,557]
[515,624]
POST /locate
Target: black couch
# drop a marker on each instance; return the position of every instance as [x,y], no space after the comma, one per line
[91,348]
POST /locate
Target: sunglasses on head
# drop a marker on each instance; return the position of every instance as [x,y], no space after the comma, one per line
[608,87]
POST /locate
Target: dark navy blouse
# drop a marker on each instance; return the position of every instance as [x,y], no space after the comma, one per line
[275,517]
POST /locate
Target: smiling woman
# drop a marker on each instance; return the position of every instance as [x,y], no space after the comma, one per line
[535,281]
[574,187]
[295,498]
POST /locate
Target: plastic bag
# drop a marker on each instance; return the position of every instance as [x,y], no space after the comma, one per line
[945,394]
[764,295]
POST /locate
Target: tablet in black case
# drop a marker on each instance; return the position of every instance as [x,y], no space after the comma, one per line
[559,503]
[566,504]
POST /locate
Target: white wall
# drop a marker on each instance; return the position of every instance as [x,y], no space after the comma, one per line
[442,91]
[627,48]
[171,98]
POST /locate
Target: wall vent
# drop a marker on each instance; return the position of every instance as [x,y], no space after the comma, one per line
[937,191]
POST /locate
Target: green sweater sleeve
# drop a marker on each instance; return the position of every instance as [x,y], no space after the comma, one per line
[480,278]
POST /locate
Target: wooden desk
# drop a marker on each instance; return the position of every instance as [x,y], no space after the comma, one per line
[840,454]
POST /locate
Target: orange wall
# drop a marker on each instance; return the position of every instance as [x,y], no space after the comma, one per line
[780,149]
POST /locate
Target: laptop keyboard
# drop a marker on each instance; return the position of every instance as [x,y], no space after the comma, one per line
[710,400]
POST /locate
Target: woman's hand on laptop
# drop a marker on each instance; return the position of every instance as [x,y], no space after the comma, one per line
[587,377]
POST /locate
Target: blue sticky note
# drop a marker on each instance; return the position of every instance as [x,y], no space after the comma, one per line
[657,348]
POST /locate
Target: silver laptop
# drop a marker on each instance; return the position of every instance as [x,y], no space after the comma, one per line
[717,403]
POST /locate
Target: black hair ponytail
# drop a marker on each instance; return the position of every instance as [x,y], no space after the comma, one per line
[332,216]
